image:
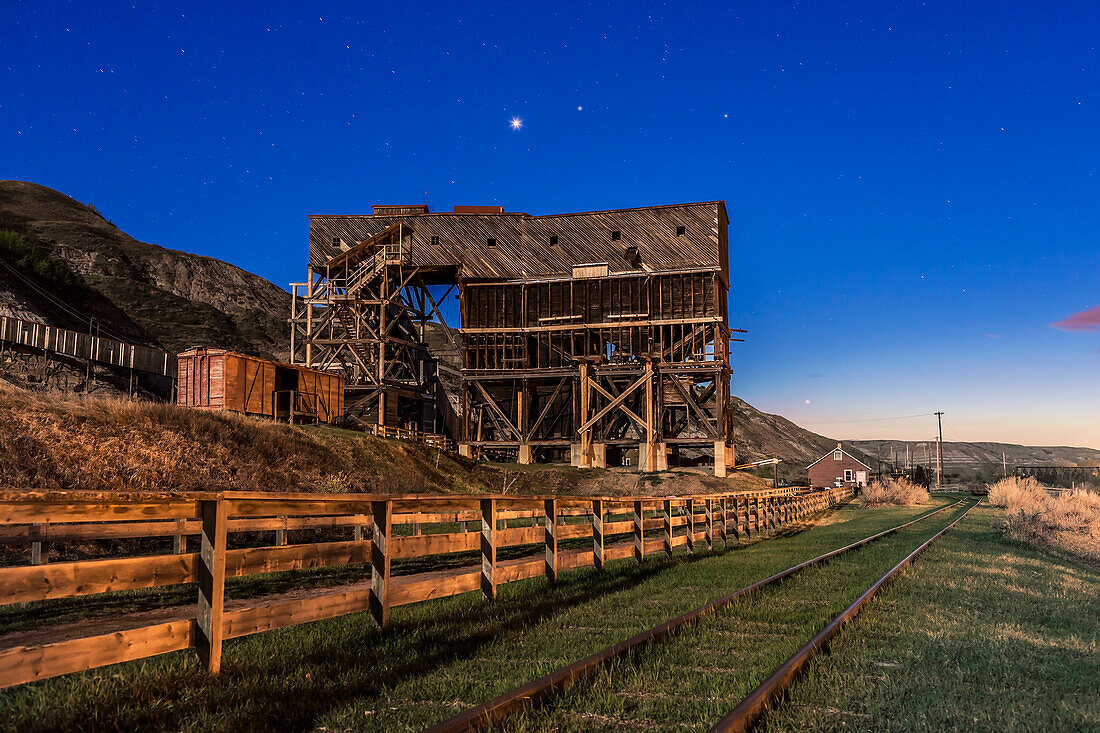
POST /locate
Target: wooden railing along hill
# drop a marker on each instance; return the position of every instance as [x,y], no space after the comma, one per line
[432,440]
[618,528]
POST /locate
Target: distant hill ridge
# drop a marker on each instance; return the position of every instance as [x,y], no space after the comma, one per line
[976,455]
[139,290]
[157,296]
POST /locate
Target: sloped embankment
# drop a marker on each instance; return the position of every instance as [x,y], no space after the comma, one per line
[59,441]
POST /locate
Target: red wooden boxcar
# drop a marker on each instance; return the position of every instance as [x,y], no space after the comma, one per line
[217,379]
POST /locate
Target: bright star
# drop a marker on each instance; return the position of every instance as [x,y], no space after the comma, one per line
[516,123]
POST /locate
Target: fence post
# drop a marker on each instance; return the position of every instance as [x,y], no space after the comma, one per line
[710,524]
[36,545]
[489,548]
[179,541]
[550,516]
[668,527]
[380,561]
[357,529]
[689,510]
[597,533]
[211,577]
[639,531]
[280,533]
[725,518]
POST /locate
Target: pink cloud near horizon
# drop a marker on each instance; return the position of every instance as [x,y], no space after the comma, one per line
[1086,320]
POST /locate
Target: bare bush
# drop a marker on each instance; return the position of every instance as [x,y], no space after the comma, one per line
[894,492]
[1069,521]
[1016,493]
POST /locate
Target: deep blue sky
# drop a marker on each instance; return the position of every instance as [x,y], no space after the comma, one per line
[913,188]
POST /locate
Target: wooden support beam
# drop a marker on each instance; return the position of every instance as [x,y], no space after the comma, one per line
[495,409]
[701,417]
[584,431]
[380,559]
[211,581]
[651,416]
[615,402]
[533,430]
[639,531]
[489,548]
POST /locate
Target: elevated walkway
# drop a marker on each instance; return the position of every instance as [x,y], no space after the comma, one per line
[86,346]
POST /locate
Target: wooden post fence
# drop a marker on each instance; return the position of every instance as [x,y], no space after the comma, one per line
[380,559]
[617,527]
[211,577]
[551,519]
[489,548]
[597,534]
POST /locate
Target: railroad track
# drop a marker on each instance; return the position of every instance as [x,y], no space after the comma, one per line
[745,714]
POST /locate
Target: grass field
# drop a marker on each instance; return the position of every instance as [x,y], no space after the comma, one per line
[980,634]
[441,656]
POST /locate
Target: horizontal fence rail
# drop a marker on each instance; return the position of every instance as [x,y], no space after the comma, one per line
[557,534]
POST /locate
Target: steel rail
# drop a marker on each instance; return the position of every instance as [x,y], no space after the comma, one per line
[538,691]
[749,710]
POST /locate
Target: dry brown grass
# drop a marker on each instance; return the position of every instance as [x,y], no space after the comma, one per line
[894,492]
[64,441]
[61,441]
[1069,521]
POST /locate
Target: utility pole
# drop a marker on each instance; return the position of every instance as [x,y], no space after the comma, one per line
[939,452]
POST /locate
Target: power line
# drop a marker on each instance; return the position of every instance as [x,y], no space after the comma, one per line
[875,419]
[939,451]
[67,308]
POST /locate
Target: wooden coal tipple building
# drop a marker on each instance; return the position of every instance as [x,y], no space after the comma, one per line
[599,337]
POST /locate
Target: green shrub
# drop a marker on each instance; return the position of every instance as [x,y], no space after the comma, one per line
[28,258]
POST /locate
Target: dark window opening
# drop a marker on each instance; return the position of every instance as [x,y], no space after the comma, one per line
[335,241]
[616,236]
[553,240]
[490,242]
[631,255]
[435,239]
[681,231]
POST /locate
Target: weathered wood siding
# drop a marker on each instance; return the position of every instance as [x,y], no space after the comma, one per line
[523,246]
[218,379]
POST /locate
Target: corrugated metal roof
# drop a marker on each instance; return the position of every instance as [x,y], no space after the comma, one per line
[522,243]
